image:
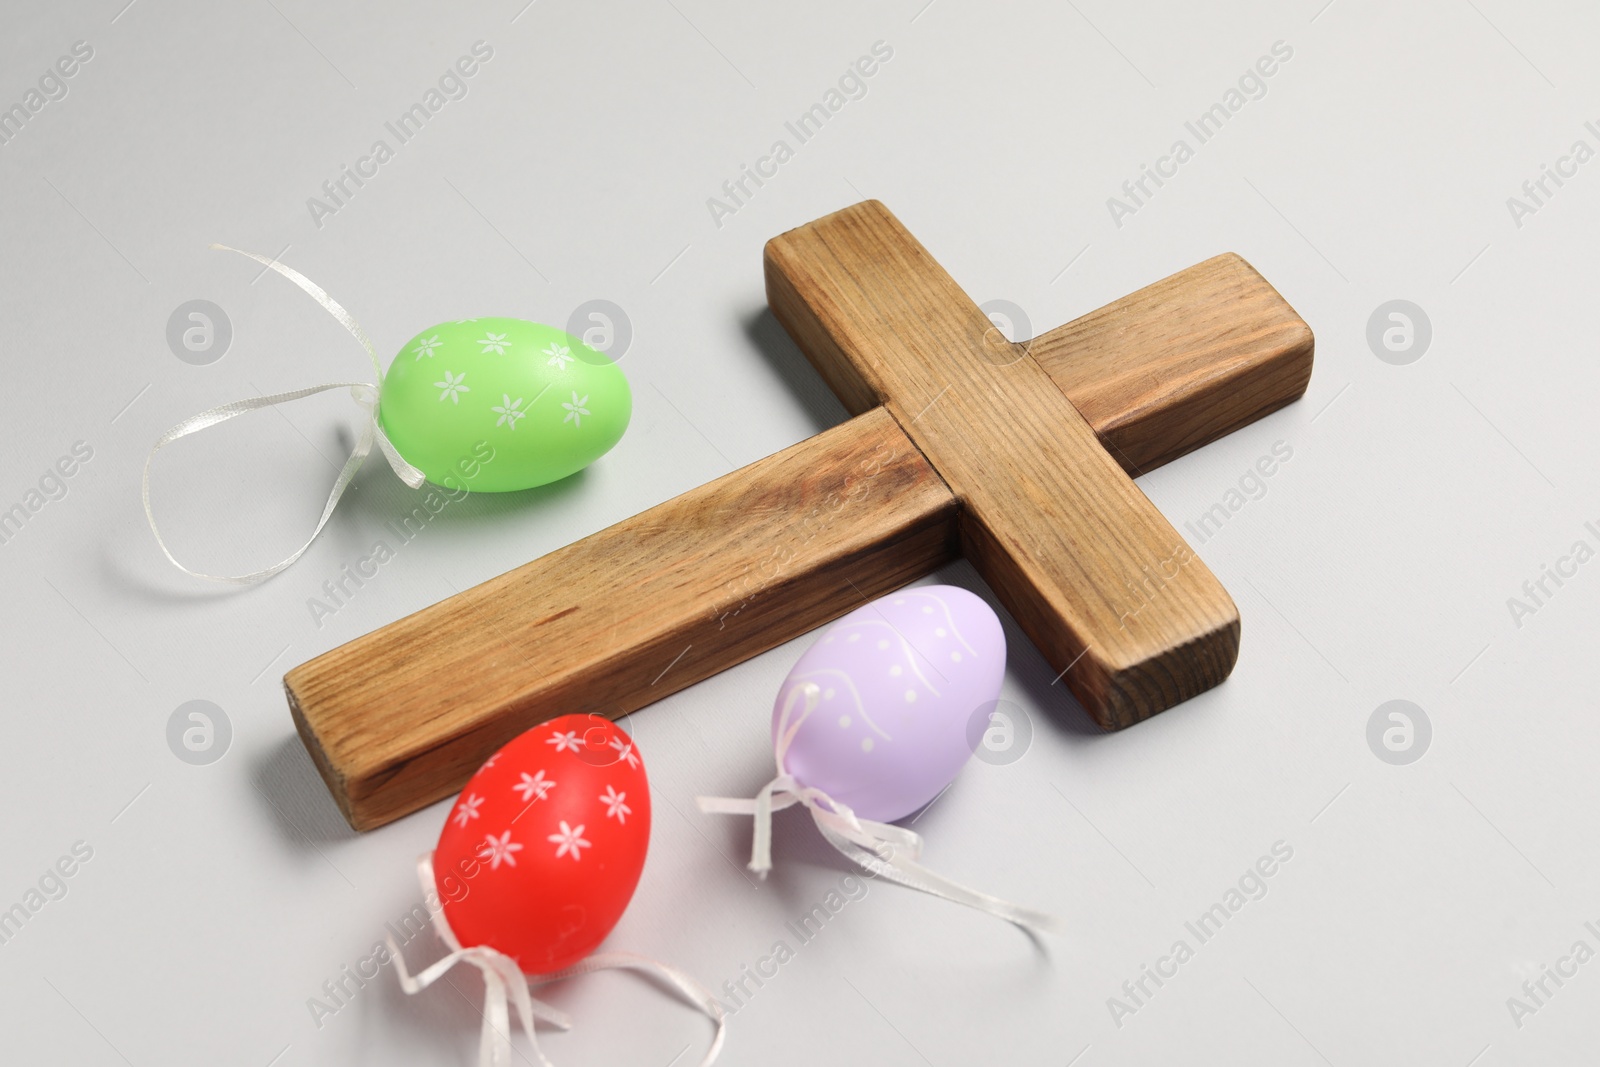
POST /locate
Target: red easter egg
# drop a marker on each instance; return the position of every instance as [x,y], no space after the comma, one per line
[544,847]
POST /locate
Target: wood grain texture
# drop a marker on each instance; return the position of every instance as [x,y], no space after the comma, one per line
[1181,362]
[1094,574]
[402,717]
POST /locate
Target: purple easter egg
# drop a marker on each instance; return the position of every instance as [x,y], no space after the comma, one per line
[899,679]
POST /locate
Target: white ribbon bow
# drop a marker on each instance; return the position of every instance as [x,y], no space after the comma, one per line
[880,848]
[504,981]
[364,394]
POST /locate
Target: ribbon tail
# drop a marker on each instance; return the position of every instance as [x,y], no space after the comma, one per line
[366,394]
[502,979]
[681,982]
[414,984]
[761,837]
[882,858]
[206,419]
[774,796]
[899,839]
[528,1007]
[779,793]
[320,295]
[412,476]
[725,805]
[494,1041]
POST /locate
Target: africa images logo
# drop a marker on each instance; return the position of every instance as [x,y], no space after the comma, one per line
[1250,886]
[452,85]
[52,86]
[1251,85]
[852,85]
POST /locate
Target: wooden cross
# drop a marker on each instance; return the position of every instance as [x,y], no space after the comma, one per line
[1019,456]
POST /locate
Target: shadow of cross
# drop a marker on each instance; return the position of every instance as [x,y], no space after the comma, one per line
[1020,456]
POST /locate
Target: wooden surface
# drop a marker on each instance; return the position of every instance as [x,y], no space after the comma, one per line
[403,716]
[1181,362]
[1093,573]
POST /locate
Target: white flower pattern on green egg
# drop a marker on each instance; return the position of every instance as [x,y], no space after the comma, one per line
[509,411]
[576,410]
[453,388]
[528,404]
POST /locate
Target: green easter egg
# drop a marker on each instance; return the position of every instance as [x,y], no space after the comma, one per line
[496,405]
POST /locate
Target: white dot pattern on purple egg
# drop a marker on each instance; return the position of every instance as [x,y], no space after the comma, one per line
[899,679]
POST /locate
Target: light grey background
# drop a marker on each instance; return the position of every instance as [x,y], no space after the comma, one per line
[1376,567]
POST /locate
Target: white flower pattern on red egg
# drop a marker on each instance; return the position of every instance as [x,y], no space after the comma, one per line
[615,806]
[625,751]
[498,850]
[467,810]
[582,793]
[568,841]
[533,786]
